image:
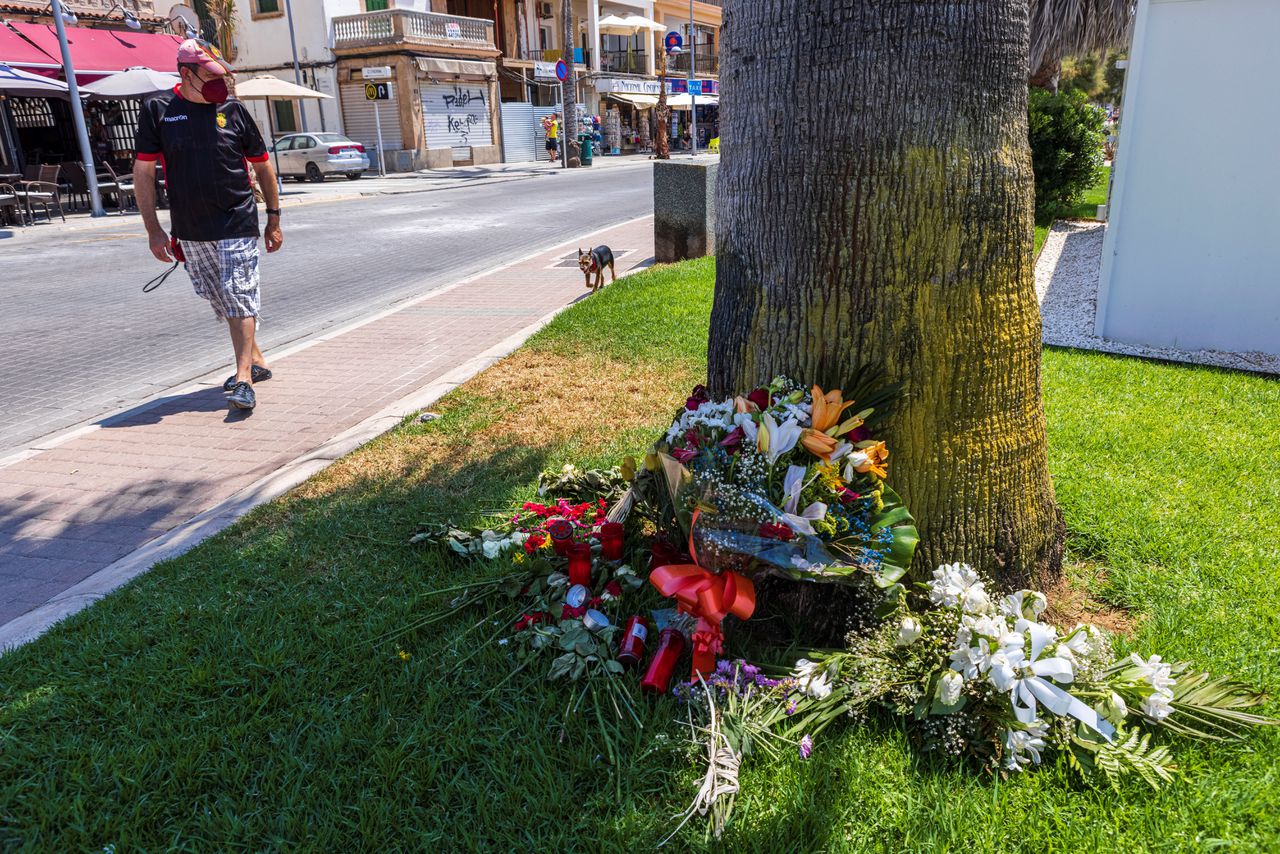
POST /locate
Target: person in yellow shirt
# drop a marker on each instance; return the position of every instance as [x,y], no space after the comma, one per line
[552,129]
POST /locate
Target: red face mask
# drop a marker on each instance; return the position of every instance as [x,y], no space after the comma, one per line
[214,91]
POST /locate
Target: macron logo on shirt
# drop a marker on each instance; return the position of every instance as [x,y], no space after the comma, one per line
[175,118]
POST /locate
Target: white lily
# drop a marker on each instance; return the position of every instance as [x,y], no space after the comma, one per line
[792,486]
[813,679]
[957,584]
[842,450]
[1156,673]
[1025,604]
[748,425]
[1022,746]
[774,439]
[909,631]
[949,687]
[857,460]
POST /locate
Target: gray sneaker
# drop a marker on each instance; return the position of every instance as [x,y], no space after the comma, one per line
[242,397]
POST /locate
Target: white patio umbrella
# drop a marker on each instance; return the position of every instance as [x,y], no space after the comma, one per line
[136,82]
[264,87]
[640,22]
[614,26]
[17,83]
[684,101]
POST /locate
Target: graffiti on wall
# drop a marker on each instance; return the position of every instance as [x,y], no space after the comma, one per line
[456,115]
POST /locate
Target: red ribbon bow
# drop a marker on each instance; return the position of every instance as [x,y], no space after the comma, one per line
[708,596]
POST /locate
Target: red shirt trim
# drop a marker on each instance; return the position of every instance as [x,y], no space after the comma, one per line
[261,158]
[146,156]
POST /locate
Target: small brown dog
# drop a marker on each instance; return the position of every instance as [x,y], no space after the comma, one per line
[594,262]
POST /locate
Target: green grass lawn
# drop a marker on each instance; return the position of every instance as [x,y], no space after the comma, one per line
[234,699]
[1086,208]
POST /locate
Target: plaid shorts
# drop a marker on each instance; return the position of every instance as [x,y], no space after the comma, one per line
[225,272]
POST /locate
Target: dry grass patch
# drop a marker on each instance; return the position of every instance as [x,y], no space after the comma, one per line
[1071,601]
[533,401]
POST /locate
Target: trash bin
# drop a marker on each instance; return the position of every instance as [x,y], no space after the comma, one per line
[584,142]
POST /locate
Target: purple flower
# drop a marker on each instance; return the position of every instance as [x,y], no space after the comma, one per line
[806,746]
[791,709]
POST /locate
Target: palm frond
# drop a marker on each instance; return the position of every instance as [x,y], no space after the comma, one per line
[1061,28]
[1133,755]
[1213,708]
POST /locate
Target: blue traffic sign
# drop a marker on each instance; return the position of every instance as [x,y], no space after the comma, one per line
[695,87]
[673,41]
[562,70]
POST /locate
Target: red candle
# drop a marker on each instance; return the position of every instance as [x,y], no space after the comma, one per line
[580,564]
[611,540]
[561,531]
[631,650]
[670,647]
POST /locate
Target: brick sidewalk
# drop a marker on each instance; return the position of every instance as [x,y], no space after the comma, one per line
[69,511]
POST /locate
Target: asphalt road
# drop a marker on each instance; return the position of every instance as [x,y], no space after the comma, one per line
[79,339]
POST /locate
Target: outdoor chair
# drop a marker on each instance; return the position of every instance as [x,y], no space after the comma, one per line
[75,183]
[9,201]
[43,191]
[119,186]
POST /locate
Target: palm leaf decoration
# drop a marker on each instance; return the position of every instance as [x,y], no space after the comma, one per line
[1132,755]
[1213,708]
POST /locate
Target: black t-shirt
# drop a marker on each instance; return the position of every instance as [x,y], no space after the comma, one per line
[206,150]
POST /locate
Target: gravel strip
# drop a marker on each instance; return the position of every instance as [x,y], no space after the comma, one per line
[1067,287]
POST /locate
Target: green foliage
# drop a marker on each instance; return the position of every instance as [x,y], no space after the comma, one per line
[1065,132]
[1133,755]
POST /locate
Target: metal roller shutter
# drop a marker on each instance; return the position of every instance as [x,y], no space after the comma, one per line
[518,134]
[456,116]
[358,121]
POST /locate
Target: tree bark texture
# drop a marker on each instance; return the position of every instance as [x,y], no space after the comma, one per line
[662,139]
[875,208]
[569,90]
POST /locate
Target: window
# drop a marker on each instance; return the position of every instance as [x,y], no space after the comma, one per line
[375,5]
[264,8]
[286,119]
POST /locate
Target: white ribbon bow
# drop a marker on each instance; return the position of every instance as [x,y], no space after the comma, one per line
[1033,686]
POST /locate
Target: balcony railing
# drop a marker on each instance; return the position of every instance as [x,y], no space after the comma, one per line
[405,26]
[580,56]
[623,61]
[706,61]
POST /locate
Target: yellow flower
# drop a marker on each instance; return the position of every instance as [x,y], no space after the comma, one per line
[518,557]
[628,468]
[827,408]
[404,656]
[829,474]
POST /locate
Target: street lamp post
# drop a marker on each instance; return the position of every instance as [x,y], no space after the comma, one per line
[297,70]
[693,99]
[77,109]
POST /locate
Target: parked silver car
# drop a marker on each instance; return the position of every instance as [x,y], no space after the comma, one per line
[316,155]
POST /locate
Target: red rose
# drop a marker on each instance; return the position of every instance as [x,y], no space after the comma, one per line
[613,588]
[527,620]
[595,602]
[857,434]
[534,542]
[761,398]
[697,398]
[848,496]
[774,531]
[568,612]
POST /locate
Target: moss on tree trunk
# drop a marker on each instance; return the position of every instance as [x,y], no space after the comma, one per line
[875,208]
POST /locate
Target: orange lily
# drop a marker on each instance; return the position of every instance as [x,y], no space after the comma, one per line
[877,460]
[827,408]
[819,444]
[743,406]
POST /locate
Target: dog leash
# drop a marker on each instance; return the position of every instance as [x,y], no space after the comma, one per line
[179,257]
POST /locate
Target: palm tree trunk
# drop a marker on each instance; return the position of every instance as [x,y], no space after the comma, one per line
[662,139]
[893,228]
[569,88]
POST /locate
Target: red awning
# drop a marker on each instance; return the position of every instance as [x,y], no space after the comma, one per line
[98,52]
[20,53]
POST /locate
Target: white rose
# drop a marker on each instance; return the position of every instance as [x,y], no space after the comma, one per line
[949,687]
[492,548]
[1157,706]
[909,631]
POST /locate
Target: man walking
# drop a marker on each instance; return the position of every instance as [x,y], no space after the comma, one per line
[206,144]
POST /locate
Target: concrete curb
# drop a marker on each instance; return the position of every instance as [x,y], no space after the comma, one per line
[186,536]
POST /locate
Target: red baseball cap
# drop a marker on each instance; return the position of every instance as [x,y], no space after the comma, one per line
[202,53]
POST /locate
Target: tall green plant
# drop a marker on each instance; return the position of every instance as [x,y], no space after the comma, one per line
[1066,136]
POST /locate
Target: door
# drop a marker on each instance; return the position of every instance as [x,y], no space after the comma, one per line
[283,162]
[456,116]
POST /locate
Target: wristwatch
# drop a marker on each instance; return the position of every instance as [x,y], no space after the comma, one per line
[273,212]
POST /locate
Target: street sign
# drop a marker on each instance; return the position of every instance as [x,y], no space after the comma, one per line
[562,70]
[695,87]
[376,72]
[544,70]
[673,41]
[452,30]
[377,91]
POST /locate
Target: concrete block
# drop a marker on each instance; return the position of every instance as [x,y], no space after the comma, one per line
[684,208]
